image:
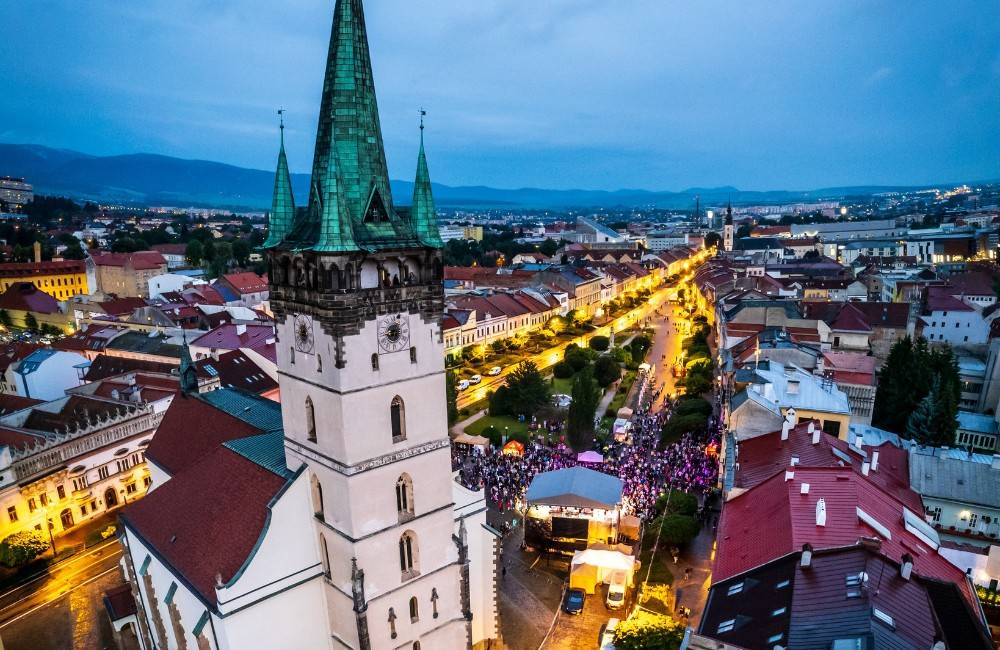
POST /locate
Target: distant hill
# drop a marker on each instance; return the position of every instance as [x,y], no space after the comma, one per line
[149,179]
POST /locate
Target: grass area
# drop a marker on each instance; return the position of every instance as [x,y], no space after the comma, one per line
[481,427]
[618,400]
[562,386]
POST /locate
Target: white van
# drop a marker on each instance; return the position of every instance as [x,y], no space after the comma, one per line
[616,590]
[607,641]
[462,385]
[475,379]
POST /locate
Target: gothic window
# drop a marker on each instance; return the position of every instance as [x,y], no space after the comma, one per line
[291,355]
[408,555]
[319,363]
[414,610]
[310,420]
[404,497]
[317,491]
[413,355]
[374,361]
[397,415]
[416,645]
[324,555]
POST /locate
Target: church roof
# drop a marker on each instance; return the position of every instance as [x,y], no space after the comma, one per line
[282,215]
[350,201]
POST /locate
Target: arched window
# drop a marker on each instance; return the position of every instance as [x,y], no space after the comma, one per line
[414,610]
[319,363]
[317,490]
[416,645]
[404,497]
[324,555]
[310,420]
[291,355]
[374,361]
[409,555]
[397,416]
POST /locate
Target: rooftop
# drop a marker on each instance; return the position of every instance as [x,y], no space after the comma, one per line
[576,487]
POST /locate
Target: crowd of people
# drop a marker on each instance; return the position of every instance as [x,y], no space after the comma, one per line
[646,470]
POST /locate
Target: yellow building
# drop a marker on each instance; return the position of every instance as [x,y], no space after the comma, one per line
[60,279]
[473,232]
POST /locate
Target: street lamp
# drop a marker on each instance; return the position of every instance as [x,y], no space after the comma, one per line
[49,525]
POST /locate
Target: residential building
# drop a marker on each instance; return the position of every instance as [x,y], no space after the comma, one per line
[45,374]
[127,274]
[946,319]
[174,254]
[961,492]
[232,337]
[977,432]
[15,193]
[249,287]
[60,279]
[26,306]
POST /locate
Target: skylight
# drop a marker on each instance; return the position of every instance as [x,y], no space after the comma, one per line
[727,626]
[883,617]
[735,589]
[782,584]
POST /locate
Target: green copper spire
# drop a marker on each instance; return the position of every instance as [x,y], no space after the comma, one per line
[187,371]
[283,203]
[424,216]
[350,203]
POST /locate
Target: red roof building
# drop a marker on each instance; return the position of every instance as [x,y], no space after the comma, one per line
[232,337]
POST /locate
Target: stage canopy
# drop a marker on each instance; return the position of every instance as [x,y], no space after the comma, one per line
[575,487]
[590,457]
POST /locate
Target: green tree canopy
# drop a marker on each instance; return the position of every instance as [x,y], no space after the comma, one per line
[606,371]
[17,549]
[648,631]
[527,389]
[194,252]
[580,419]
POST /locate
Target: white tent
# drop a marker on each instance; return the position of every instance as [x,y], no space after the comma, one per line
[606,563]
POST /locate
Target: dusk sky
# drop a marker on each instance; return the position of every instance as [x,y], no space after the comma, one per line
[592,94]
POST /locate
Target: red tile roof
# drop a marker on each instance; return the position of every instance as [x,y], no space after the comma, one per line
[941,299]
[24,296]
[140,261]
[227,337]
[743,543]
[850,367]
[11,403]
[32,269]
[764,456]
[105,366]
[206,520]
[246,282]
[178,445]
[236,370]
[974,283]
[122,306]
[170,249]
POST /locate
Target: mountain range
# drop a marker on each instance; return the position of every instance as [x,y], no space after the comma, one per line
[151,179]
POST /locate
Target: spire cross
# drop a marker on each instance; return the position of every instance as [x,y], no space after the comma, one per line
[422,114]
[281,119]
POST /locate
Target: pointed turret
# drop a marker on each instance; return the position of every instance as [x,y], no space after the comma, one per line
[282,216]
[729,213]
[350,203]
[187,371]
[424,216]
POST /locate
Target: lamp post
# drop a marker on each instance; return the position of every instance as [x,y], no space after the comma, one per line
[49,526]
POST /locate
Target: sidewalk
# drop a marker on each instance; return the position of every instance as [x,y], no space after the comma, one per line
[459,427]
[693,592]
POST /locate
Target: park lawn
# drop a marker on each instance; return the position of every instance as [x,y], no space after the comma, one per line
[618,400]
[660,572]
[562,386]
[517,429]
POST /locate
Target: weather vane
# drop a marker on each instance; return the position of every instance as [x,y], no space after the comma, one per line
[422,114]
[281,118]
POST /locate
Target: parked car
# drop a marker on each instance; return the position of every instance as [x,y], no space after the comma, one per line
[462,385]
[494,371]
[616,590]
[475,379]
[607,638]
[573,603]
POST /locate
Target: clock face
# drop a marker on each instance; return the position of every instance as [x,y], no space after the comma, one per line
[304,341]
[393,333]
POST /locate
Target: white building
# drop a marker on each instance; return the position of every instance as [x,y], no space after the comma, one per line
[339,524]
[946,319]
[44,374]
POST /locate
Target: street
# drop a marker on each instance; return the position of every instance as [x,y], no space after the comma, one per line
[552,355]
[63,607]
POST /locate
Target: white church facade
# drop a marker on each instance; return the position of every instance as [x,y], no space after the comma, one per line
[333,520]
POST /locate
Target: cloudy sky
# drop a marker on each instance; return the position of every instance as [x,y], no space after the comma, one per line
[595,94]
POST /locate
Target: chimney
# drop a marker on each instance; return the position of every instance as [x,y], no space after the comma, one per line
[816,435]
[821,512]
[804,488]
[785,427]
[875,460]
[859,441]
[906,568]
[241,329]
[865,467]
[37,247]
[807,556]
[996,461]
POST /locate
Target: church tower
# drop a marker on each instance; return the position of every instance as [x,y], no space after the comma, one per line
[728,234]
[356,289]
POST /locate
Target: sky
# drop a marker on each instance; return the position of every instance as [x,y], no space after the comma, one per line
[560,94]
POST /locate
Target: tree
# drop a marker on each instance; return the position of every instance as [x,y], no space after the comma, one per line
[194,252]
[548,247]
[74,251]
[677,503]
[677,530]
[527,389]
[648,631]
[576,357]
[920,424]
[241,252]
[606,371]
[580,419]
[713,239]
[678,425]
[563,370]
[600,343]
[451,389]
[693,406]
[639,346]
[17,549]
[30,322]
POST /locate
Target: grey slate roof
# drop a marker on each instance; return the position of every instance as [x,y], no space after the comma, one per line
[967,480]
[576,487]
